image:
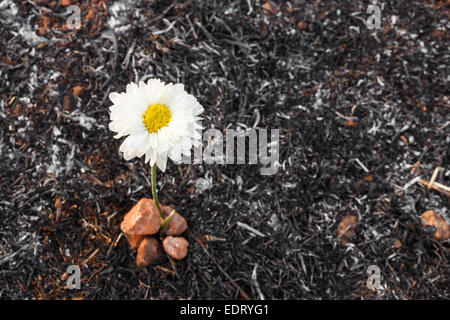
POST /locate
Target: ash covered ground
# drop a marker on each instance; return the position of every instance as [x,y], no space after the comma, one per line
[361,113]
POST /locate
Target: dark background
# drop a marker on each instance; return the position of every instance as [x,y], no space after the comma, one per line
[336,90]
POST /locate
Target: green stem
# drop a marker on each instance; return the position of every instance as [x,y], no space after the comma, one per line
[164,221]
[155,197]
[164,224]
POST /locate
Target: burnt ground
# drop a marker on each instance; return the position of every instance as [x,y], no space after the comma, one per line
[361,113]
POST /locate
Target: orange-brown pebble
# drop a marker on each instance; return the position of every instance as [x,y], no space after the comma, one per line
[134,240]
[149,252]
[177,224]
[176,247]
[142,219]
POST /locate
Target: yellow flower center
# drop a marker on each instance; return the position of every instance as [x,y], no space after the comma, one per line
[156,117]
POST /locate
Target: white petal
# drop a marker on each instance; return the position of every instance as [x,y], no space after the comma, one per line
[161,161]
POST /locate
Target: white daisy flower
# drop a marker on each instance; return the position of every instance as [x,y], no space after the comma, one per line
[161,120]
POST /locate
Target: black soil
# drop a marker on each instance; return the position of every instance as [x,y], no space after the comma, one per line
[361,113]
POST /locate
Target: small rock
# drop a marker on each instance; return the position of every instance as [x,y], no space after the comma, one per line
[142,219]
[346,228]
[431,218]
[149,252]
[65,3]
[176,247]
[134,240]
[177,224]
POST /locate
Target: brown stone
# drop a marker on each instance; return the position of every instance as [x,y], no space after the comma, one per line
[134,240]
[149,252]
[176,247]
[346,228]
[442,227]
[177,224]
[142,219]
[65,3]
